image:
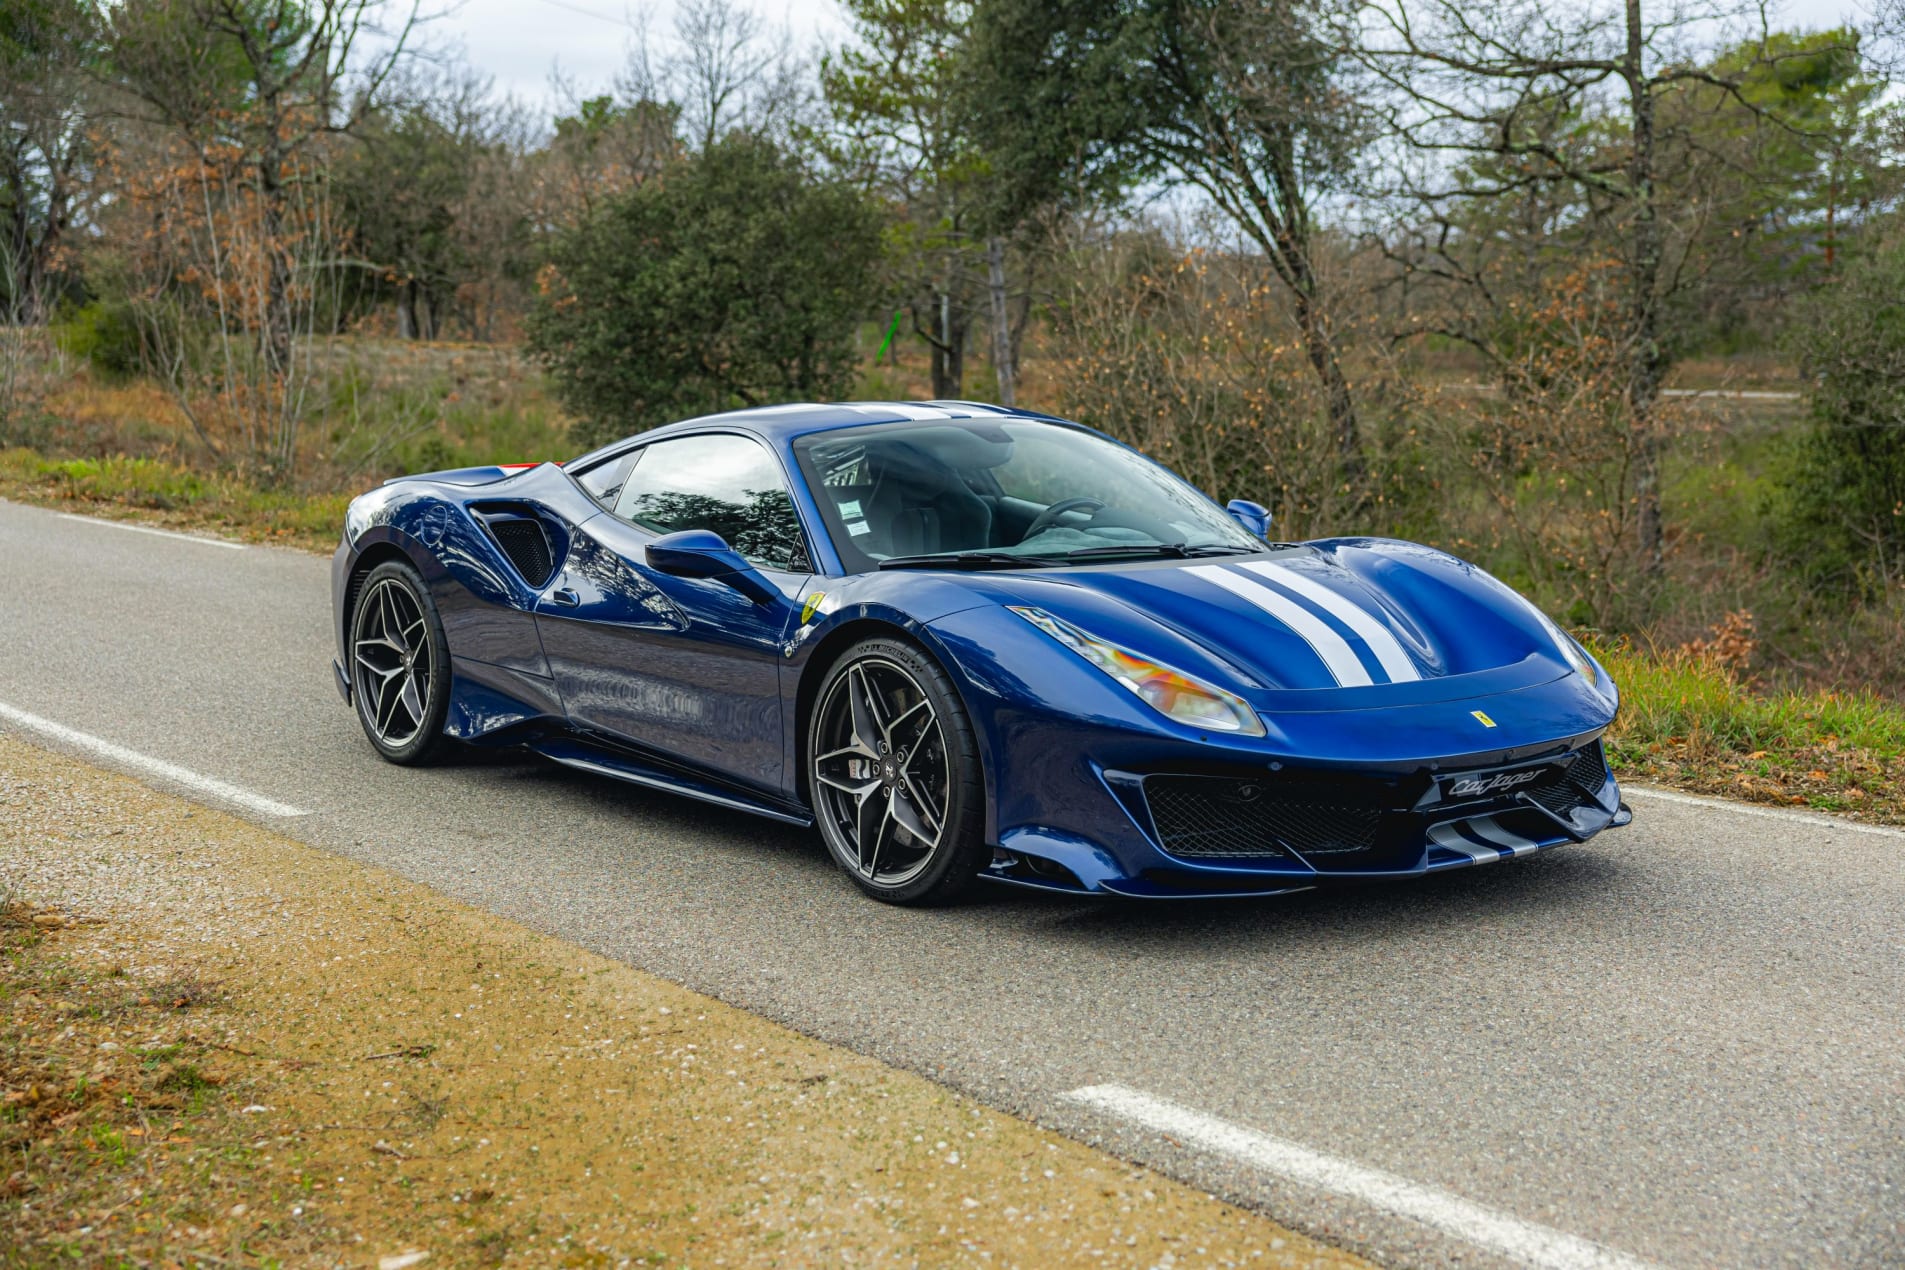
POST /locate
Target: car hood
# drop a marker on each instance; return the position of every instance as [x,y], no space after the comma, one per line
[1330,624]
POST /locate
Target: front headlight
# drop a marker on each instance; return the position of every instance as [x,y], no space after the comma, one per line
[1171,693]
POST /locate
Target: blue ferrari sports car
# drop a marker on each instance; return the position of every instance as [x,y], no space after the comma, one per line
[968,643]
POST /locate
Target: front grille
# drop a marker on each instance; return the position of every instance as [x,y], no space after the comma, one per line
[1340,823]
[1223,817]
[526,543]
[1574,786]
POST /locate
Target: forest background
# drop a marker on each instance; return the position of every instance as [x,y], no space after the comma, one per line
[1607,297]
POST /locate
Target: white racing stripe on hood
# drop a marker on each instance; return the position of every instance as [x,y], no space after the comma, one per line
[1344,665]
[1382,642]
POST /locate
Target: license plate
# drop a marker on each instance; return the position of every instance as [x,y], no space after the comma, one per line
[1494,784]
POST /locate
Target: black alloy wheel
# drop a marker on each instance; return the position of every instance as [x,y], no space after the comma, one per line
[400,665]
[895,776]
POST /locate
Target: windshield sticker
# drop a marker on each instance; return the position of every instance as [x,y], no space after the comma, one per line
[859,527]
[849,511]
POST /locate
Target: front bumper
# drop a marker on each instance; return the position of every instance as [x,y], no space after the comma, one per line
[1239,831]
[1427,778]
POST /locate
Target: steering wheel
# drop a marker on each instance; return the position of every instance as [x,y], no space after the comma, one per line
[1049,517]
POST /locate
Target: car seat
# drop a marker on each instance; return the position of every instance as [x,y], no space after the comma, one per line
[918,505]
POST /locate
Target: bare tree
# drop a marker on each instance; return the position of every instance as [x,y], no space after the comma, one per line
[1246,100]
[46,115]
[603,146]
[1560,114]
[1191,355]
[15,350]
[1004,361]
[240,101]
[725,69]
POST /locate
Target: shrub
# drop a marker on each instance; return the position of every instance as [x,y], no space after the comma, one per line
[106,335]
[1188,356]
[1845,509]
[733,279]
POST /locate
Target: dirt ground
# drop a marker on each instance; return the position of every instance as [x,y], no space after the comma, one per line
[221,1048]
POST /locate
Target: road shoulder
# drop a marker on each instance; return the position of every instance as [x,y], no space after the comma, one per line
[260,1051]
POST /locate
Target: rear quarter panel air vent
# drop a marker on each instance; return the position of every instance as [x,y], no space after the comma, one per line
[524,538]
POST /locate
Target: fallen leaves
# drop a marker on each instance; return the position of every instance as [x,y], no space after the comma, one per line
[1835,777]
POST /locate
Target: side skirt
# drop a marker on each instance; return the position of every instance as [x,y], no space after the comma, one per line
[626,767]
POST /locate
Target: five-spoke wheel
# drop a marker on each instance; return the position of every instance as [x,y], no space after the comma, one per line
[894,776]
[398,670]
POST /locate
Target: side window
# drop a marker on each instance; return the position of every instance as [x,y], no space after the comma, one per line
[726,483]
[604,480]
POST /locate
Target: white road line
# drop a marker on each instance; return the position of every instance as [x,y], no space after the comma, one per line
[158,533]
[123,757]
[1766,813]
[1523,1241]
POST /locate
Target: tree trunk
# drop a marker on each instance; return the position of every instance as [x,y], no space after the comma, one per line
[32,247]
[276,336]
[1338,404]
[407,311]
[1003,360]
[1646,361]
[1022,320]
[949,350]
[1284,235]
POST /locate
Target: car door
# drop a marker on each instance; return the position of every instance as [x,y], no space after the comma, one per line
[685,666]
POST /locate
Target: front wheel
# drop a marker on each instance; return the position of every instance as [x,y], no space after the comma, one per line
[895,776]
[400,665]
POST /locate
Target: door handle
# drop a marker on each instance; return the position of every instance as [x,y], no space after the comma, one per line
[565,597]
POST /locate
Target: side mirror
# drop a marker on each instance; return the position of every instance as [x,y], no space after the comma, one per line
[1252,516]
[702,553]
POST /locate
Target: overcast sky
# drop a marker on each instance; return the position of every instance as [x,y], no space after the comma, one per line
[519,42]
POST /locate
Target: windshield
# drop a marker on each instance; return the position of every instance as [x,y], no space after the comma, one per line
[1019,491]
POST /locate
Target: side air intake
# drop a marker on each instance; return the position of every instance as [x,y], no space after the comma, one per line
[525,540]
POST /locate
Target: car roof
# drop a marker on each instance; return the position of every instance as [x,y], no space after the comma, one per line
[781,424]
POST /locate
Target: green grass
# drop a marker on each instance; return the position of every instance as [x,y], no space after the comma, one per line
[1687,721]
[395,411]
[173,494]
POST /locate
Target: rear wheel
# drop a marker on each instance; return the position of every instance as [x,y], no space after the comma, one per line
[895,776]
[400,665]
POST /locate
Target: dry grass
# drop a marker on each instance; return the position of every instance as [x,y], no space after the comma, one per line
[169,493]
[1690,720]
[362,1069]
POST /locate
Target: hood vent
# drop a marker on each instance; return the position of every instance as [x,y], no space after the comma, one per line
[525,540]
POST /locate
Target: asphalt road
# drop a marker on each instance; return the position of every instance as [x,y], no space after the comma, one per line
[1685,1041]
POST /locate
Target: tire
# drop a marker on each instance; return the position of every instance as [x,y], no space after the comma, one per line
[875,770]
[400,666]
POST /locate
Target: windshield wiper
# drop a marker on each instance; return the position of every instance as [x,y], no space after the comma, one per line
[1175,550]
[969,560]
